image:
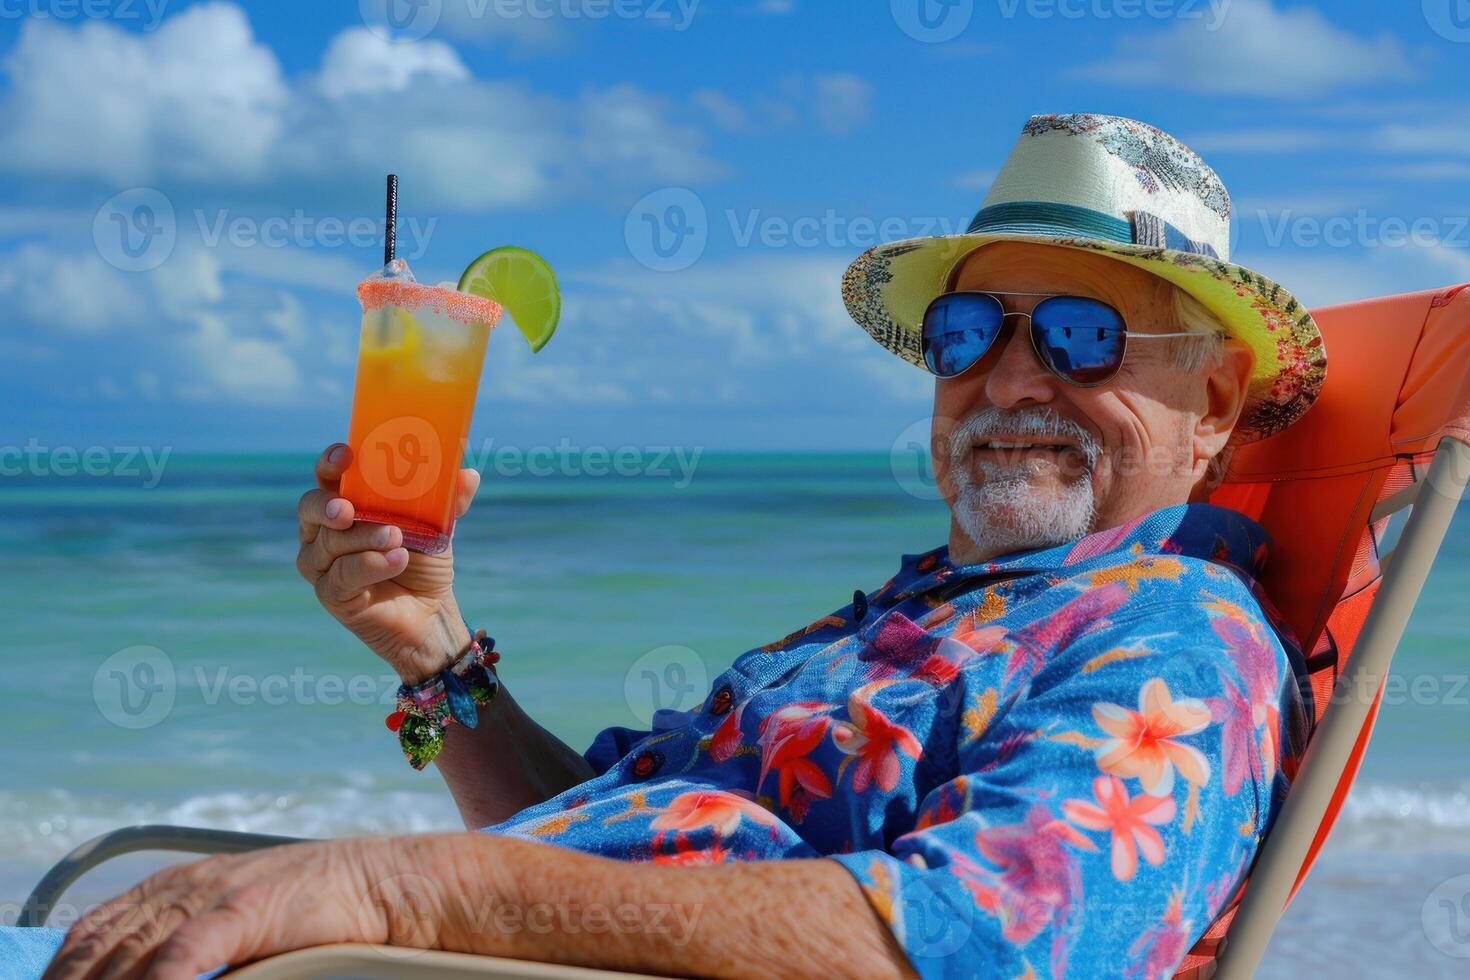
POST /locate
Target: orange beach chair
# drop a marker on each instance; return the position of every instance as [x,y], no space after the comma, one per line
[1358,496]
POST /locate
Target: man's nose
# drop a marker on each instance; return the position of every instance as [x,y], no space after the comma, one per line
[1018,377]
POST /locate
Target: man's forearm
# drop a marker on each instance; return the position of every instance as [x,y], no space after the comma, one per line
[533,901]
[506,763]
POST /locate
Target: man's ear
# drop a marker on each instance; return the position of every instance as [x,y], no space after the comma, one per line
[1227,382]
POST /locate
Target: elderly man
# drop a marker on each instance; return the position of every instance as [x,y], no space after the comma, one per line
[1051,747]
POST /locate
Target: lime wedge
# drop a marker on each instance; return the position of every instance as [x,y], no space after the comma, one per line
[521,281]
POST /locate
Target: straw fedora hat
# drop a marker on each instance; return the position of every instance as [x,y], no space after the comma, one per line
[1132,192]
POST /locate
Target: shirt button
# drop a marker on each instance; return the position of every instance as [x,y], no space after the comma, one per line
[646,763]
[720,703]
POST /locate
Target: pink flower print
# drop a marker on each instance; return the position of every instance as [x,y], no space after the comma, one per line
[1131,822]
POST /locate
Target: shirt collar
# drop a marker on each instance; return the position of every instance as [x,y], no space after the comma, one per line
[1198,530]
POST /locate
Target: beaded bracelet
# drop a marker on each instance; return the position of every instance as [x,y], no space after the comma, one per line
[455,694]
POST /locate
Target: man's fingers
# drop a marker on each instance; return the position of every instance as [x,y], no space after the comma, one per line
[331,464]
[330,544]
[209,941]
[464,493]
[318,509]
[351,574]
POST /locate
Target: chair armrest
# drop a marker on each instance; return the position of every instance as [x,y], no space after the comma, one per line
[147,837]
[403,963]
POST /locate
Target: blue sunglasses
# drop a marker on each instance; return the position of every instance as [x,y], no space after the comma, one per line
[1078,339]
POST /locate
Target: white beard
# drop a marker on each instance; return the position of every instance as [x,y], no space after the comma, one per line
[1003,513]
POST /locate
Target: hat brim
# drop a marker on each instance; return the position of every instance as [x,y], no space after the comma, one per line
[888,288]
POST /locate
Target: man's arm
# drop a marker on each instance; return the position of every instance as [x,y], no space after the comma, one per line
[766,918]
[506,763]
[486,894]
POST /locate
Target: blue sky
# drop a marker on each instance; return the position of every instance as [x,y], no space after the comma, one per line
[801,131]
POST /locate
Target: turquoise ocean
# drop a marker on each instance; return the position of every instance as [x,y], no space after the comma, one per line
[162,661]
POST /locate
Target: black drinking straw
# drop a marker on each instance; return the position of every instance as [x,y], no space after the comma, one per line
[390,225]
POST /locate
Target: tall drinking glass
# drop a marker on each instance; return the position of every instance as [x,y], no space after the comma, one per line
[418,371]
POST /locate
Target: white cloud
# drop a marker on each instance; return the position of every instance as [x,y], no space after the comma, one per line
[198,98]
[724,111]
[1424,170]
[200,101]
[837,103]
[842,103]
[359,61]
[1263,139]
[74,292]
[240,369]
[974,180]
[1255,49]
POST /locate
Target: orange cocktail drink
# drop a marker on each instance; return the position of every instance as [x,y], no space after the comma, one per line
[418,371]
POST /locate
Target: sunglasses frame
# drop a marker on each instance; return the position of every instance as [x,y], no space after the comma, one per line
[1005,315]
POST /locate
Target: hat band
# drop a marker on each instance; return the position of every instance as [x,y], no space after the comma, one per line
[1071,221]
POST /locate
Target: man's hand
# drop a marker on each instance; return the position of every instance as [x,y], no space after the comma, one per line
[231,909]
[401,604]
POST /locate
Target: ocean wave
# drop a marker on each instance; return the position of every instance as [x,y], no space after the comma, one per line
[48,823]
[41,827]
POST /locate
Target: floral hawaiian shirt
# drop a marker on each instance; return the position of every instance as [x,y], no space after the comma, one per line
[1061,761]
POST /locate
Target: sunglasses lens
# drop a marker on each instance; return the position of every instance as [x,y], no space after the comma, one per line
[958,329]
[1080,339]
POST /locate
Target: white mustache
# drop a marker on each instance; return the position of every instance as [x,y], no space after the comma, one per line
[1037,423]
